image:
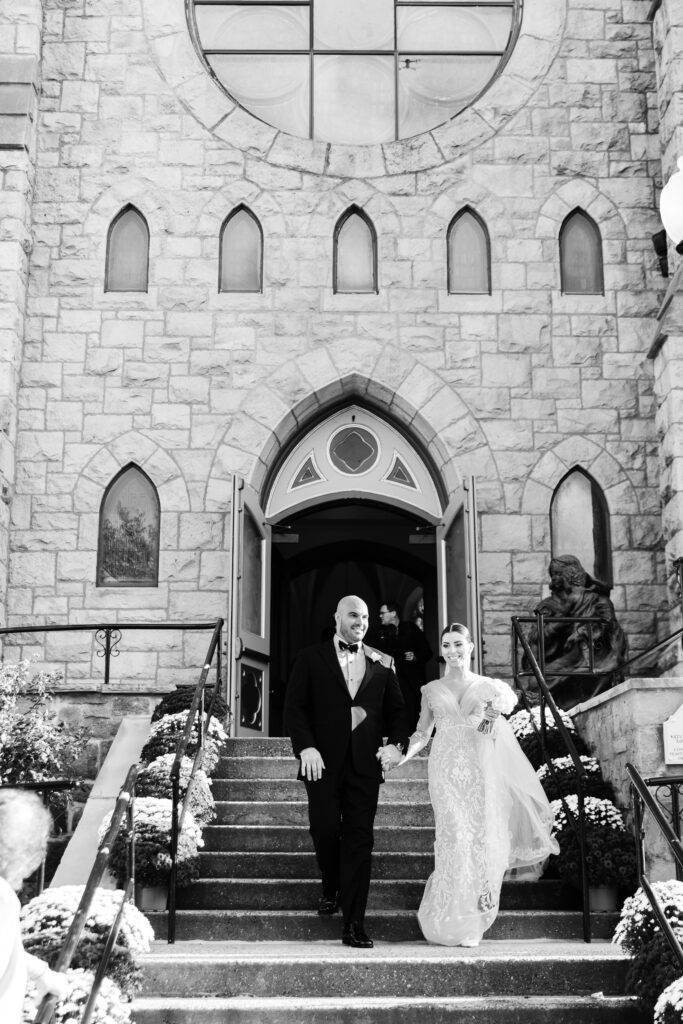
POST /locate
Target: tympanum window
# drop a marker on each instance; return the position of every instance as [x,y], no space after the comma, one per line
[127,252]
[355,71]
[579,523]
[581,255]
[241,253]
[128,550]
[469,255]
[355,253]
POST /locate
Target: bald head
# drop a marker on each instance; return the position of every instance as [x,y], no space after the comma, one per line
[351,619]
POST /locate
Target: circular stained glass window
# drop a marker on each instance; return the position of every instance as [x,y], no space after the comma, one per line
[355,71]
[353,450]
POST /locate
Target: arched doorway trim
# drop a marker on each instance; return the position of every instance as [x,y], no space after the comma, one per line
[353,453]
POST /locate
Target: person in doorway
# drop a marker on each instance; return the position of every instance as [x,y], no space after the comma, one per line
[407,645]
[490,810]
[342,699]
[24,829]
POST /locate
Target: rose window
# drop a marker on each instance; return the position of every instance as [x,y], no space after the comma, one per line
[355,71]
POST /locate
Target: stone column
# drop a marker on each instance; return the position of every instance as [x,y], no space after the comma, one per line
[20,43]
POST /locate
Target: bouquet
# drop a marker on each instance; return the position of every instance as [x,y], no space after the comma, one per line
[153,845]
[669,1006]
[610,847]
[563,780]
[526,725]
[493,693]
[46,919]
[165,734]
[155,780]
[110,1007]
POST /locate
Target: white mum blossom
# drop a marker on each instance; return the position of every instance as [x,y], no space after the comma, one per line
[597,811]
[53,911]
[110,1006]
[157,813]
[521,722]
[566,764]
[671,997]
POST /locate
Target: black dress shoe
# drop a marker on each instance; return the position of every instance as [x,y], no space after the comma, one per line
[355,935]
[327,906]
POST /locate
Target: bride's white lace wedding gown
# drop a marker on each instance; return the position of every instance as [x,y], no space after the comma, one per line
[490,810]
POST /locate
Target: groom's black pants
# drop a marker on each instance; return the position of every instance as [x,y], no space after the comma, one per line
[341,812]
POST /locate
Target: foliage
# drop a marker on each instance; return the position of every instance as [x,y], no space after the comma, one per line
[34,744]
[46,919]
[652,969]
[654,965]
[180,699]
[152,827]
[155,780]
[669,1006]
[165,734]
[610,847]
[525,724]
[637,922]
[563,781]
[110,1006]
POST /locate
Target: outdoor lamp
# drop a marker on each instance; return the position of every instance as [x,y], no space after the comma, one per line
[671,207]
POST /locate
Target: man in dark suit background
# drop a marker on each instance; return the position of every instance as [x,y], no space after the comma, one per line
[407,645]
[342,699]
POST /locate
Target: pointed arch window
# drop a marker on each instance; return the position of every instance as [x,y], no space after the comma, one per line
[127,263]
[468,255]
[581,266]
[241,253]
[579,523]
[128,548]
[355,253]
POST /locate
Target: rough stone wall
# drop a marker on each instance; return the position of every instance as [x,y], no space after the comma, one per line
[195,386]
[20,40]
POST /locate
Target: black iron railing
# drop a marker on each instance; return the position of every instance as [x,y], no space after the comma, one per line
[197,715]
[44,787]
[643,801]
[123,809]
[546,703]
[667,791]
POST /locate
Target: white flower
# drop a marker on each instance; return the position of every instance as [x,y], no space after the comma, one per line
[672,997]
[54,909]
[566,764]
[110,1007]
[157,812]
[597,811]
[521,722]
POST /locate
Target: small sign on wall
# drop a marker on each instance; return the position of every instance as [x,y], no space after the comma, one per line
[673,738]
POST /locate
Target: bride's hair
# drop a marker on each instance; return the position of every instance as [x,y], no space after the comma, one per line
[457,627]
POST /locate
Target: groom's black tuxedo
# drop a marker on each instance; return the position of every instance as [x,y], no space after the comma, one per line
[320,713]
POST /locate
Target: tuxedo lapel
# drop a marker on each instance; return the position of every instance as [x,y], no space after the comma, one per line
[369,672]
[329,656]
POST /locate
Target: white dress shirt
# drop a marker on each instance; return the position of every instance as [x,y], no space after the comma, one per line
[352,665]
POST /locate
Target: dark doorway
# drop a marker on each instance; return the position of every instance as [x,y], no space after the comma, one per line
[349,547]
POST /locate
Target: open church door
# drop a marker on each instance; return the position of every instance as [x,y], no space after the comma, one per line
[457,566]
[249,654]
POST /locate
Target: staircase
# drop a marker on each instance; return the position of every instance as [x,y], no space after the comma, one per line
[251,949]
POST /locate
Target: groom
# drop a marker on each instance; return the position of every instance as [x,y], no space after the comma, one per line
[342,698]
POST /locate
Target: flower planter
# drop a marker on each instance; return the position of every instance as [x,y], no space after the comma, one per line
[603,898]
[151,898]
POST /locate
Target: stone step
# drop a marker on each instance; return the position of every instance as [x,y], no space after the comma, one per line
[386,1010]
[397,970]
[303,894]
[287,812]
[297,838]
[387,925]
[279,790]
[275,767]
[304,865]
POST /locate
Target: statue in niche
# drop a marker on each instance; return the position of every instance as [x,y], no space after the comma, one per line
[574,593]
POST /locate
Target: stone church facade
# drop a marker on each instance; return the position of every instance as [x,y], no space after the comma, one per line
[106,105]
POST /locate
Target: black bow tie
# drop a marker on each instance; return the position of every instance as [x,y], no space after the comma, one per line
[351,648]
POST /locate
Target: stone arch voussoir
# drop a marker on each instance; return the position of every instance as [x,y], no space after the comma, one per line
[582,453]
[133,447]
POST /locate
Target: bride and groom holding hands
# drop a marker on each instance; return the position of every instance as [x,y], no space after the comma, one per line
[490,811]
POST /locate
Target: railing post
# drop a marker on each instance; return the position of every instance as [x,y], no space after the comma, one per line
[585,893]
[637,804]
[175,790]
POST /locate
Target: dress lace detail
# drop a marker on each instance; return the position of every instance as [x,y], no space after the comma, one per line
[475,810]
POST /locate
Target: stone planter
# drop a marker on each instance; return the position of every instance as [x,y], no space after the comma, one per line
[151,898]
[603,898]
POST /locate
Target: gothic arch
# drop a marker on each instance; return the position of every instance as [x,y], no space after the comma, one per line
[111,458]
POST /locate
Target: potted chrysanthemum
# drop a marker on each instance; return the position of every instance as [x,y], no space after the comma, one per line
[653,966]
[155,780]
[165,733]
[610,849]
[152,827]
[110,1005]
[559,778]
[46,919]
[526,726]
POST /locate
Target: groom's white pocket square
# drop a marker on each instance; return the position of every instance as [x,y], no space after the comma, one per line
[358,715]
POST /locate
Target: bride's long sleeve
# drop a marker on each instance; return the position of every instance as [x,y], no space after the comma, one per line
[423,731]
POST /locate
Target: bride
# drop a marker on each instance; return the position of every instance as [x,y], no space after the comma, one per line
[490,810]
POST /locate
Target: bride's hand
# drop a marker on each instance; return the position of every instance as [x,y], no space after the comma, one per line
[491,712]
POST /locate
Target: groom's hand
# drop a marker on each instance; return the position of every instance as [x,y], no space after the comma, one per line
[312,764]
[389,756]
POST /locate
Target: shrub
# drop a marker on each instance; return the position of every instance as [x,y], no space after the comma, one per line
[153,845]
[155,780]
[46,919]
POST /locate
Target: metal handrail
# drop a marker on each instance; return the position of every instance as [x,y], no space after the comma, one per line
[45,787]
[196,708]
[546,699]
[642,799]
[125,806]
